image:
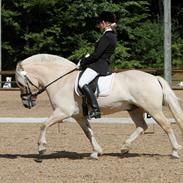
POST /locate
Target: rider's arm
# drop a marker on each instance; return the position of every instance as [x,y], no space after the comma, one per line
[102,45]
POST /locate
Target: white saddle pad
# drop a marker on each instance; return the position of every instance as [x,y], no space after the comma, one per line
[104,83]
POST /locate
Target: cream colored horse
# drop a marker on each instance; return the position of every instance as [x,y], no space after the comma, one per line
[134,91]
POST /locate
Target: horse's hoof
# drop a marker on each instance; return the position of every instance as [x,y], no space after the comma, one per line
[99,152]
[175,155]
[124,151]
[39,159]
[42,152]
[94,156]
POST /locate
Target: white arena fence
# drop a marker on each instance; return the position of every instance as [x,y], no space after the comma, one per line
[7,81]
[99,121]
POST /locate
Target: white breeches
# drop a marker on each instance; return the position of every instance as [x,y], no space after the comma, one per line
[87,76]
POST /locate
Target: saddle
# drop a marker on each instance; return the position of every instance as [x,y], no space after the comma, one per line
[101,85]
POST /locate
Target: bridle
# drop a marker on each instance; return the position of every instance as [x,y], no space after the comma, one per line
[29,95]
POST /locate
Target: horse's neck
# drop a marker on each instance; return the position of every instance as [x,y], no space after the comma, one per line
[47,73]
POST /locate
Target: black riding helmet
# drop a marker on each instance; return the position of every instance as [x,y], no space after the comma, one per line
[107,17]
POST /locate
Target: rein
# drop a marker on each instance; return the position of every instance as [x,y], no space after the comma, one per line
[41,90]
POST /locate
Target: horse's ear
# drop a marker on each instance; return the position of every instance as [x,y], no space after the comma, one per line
[19,74]
[19,67]
[19,70]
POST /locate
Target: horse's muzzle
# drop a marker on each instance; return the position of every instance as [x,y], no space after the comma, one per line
[28,101]
[29,105]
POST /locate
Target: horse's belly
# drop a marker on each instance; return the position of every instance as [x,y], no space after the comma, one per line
[116,107]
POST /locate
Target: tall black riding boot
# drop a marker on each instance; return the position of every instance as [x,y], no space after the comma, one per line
[95,113]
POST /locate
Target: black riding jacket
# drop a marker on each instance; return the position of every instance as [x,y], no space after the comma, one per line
[99,60]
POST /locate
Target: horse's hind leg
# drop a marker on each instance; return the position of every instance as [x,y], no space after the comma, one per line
[97,150]
[137,116]
[166,126]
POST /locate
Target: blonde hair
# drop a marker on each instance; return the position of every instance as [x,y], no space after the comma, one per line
[113,26]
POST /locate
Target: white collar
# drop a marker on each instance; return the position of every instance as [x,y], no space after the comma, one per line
[108,29]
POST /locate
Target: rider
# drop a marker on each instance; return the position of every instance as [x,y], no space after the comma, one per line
[98,63]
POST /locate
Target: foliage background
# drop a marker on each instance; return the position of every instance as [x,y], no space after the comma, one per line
[69,28]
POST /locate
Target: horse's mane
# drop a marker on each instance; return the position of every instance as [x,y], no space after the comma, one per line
[42,58]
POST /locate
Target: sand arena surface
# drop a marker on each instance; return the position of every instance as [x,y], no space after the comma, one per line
[66,159]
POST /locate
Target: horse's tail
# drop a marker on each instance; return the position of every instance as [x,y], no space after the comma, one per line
[172,101]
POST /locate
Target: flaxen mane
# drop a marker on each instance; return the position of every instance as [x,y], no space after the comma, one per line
[53,59]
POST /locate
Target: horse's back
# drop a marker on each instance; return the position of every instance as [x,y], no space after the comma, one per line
[136,75]
[139,85]
[136,79]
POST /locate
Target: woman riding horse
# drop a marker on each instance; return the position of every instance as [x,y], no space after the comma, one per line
[98,63]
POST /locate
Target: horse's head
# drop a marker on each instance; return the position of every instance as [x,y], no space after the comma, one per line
[28,85]
[32,75]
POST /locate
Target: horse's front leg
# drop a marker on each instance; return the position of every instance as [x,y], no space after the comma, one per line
[97,150]
[57,116]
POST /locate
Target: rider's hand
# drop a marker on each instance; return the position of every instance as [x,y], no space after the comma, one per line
[81,65]
[78,65]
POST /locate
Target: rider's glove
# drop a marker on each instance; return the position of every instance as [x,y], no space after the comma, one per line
[81,65]
[78,65]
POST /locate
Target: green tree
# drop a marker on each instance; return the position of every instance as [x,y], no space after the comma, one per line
[26,31]
[68,28]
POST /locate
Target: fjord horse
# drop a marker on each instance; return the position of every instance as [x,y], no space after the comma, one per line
[134,91]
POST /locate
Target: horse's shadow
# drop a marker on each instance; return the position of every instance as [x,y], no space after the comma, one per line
[55,155]
[77,156]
